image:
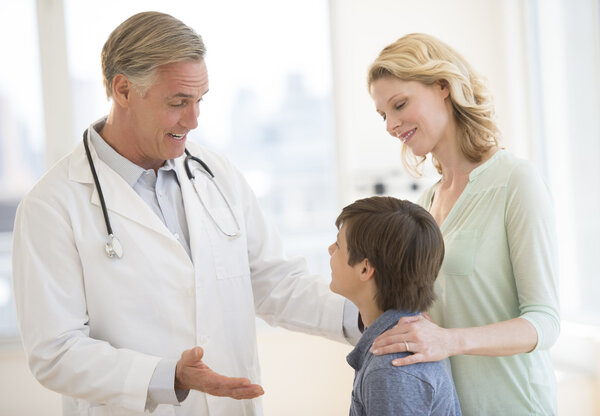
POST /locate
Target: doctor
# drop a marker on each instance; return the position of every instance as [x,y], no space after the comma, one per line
[159,316]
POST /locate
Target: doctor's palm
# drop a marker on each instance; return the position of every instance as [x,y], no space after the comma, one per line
[192,373]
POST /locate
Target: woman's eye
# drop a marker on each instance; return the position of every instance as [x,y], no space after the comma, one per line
[399,106]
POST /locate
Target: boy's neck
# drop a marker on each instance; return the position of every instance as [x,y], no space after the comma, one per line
[369,312]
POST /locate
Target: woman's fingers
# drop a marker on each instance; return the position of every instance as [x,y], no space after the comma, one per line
[409,359]
[393,340]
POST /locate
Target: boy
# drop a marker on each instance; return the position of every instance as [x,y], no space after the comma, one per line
[385,260]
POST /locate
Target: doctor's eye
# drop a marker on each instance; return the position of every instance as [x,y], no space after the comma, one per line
[400,105]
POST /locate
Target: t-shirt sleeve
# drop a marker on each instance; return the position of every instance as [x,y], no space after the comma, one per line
[531,233]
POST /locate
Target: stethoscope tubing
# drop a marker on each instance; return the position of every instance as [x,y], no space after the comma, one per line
[97,182]
[113,246]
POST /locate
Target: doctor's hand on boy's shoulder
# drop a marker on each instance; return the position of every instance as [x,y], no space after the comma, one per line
[192,373]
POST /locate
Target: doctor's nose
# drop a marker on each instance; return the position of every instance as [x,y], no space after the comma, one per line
[190,117]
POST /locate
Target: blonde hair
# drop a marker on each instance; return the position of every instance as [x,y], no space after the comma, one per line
[142,43]
[424,58]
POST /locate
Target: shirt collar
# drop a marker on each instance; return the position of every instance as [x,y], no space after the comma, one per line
[128,170]
[386,321]
[483,167]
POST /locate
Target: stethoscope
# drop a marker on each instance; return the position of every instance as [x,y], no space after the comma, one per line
[113,246]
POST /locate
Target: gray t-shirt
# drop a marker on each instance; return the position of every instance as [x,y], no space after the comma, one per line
[381,389]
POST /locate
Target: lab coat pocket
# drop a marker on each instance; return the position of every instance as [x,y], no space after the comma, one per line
[230,255]
[461,251]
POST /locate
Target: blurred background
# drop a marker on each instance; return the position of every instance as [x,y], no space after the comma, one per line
[288,104]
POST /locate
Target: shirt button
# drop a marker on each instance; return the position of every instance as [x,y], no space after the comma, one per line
[176,235]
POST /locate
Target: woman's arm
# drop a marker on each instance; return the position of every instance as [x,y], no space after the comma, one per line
[430,342]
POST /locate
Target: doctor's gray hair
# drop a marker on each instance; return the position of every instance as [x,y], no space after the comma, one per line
[142,43]
[426,59]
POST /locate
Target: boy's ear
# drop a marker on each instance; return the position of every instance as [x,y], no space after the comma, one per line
[367,271]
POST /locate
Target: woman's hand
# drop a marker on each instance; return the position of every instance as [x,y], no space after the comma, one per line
[416,334]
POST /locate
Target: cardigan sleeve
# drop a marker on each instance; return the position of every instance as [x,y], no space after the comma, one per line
[531,233]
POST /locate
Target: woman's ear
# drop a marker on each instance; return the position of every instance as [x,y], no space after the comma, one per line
[444,88]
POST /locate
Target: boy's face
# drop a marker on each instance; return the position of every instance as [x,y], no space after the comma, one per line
[345,279]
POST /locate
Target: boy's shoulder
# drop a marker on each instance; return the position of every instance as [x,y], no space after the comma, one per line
[434,373]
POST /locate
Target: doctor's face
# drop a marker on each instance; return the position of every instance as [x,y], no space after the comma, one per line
[161,118]
[419,115]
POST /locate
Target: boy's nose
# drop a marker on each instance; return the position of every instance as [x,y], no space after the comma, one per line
[331,249]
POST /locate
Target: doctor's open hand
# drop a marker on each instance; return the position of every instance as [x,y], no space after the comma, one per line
[419,335]
[192,373]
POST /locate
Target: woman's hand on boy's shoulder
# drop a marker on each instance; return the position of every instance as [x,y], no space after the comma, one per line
[418,335]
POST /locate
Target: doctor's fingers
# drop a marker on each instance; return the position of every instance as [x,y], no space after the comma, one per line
[249,392]
[236,388]
[192,357]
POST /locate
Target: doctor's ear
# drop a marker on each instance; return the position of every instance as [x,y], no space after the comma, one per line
[121,88]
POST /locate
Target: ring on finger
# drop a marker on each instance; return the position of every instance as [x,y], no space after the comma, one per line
[406,345]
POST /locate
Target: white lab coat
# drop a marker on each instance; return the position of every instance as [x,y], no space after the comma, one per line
[94,328]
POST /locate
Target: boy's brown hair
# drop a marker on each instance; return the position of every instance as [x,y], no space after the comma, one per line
[404,245]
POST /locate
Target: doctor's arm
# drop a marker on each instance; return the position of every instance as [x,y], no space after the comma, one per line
[50,298]
[285,293]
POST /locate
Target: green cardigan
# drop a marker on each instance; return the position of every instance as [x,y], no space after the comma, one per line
[501,263]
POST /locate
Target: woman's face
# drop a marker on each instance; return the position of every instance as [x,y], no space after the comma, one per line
[420,115]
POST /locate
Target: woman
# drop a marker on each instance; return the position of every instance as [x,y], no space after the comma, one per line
[496,313]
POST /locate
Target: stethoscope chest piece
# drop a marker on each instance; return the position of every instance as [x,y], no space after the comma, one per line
[113,247]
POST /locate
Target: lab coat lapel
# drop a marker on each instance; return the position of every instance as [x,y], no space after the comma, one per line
[120,198]
[193,211]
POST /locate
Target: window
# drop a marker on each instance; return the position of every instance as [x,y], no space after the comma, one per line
[566,36]
[21,134]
